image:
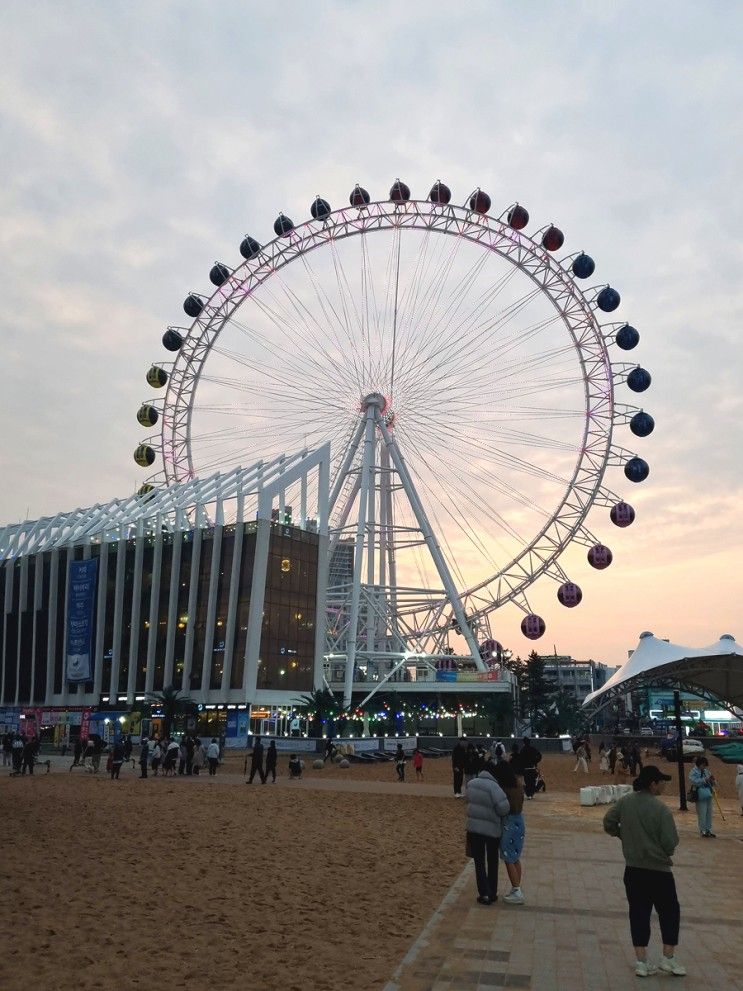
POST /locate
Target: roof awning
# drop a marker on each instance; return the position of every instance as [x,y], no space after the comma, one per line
[714,672]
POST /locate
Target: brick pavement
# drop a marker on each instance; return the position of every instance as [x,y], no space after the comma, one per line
[573,933]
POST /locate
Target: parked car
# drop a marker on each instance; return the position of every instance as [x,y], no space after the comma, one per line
[690,749]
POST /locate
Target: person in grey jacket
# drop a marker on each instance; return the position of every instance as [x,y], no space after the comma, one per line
[487,804]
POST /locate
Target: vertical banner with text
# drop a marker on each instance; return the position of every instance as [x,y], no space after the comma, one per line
[80,603]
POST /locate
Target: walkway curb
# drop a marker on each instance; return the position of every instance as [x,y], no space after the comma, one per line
[422,941]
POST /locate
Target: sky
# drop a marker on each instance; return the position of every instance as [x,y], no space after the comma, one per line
[141,141]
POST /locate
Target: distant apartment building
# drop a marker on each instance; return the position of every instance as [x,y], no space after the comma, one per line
[580,678]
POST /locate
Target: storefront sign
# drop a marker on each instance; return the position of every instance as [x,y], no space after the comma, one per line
[494,674]
[80,601]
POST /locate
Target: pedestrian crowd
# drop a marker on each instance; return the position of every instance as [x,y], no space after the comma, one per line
[20,752]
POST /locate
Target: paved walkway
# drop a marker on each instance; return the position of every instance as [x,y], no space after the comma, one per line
[573,933]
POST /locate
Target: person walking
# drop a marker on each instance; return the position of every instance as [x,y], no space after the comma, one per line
[256,762]
[212,755]
[580,758]
[271,757]
[183,757]
[471,763]
[649,837]
[486,805]
[190,751]
[18,746]
[702,782]
[516,762]
[28,756]
[613,754]
[156,756]
[7,749]
[514,831]
[117,759]
[144,757]
[603,759]
[400,762]
[458,759]
[198,758]
[530,758]
[418,764]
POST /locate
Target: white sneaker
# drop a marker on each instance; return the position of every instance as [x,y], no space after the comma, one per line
[457,794]
[515,897]
[670,965]
[645,969]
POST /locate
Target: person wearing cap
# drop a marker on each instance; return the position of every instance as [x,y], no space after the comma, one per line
[649,837]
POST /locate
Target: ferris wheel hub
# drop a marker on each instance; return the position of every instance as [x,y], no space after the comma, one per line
[374,399]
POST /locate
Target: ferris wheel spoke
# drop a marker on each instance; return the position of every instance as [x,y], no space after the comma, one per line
[350,346]
[453,343]
[315,335]
[455,513]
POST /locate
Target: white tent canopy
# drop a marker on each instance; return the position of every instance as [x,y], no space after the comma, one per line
[714,672]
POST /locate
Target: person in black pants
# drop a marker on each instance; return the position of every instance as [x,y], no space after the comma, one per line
[256,762]
[530,757]
[458,763]
[648,834]
[487,803]
[144,757]
[271,756]
[29,754]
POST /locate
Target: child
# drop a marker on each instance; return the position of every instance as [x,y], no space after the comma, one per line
[400,762]
[295,767]
[418,764]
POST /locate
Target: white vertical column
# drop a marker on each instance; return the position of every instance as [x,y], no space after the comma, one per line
[323,568]
[257,600]
[22,607]
[175,585]
[211,608]
[154,612]
[353,627]
[51,633]
[38,588]
[65,687]
[229,633]
[136,609]
[7,606]
[100,622]
[193,591]
[113,690]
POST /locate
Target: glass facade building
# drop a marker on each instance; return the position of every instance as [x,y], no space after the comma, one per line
[172,608]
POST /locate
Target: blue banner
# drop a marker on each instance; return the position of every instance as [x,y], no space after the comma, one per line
[81,585]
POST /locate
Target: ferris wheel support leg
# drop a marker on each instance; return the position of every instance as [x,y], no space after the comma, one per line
[371,499]
[385,499]
[358,559]
[346,466]
[431,542]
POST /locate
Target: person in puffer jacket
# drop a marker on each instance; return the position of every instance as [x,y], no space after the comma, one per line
[487,804]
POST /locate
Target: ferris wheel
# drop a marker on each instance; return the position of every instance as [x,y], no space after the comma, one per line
[469,377]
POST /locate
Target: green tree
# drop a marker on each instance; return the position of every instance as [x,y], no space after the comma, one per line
[536,692]
[173,703]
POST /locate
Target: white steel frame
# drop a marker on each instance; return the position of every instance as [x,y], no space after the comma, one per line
[250,493]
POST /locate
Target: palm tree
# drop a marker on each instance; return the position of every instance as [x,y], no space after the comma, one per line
[173,703]
[323,704]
